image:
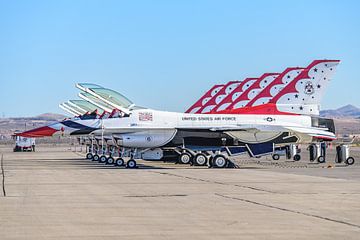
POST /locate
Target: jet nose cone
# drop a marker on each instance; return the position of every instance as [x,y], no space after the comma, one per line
[38,132]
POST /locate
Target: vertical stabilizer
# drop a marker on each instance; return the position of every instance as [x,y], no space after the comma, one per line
[253,91]
[238,91]
[271,90]
[304,94]
[204,99]
[218,97]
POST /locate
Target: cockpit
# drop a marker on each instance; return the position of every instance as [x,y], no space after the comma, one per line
[98,102]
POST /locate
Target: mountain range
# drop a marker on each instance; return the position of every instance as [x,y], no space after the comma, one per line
[348,111]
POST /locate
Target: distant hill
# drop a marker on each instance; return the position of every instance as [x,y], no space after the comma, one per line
[348,111]
[9,125]
[51,116]
[41,117]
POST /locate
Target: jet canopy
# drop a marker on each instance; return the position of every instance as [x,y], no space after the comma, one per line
[96,101]
[111,98]
[84,86]
[82,104]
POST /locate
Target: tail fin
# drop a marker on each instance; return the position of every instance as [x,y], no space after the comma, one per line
[236,93]
[304,93]
[275,87]
[252,91]
[204,99]
[218,97]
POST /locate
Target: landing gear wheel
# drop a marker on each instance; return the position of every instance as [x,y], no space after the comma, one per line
[110,160]
[275,157]
[321,159]
[102,159]
[131,163]
[350,161]
[185,158]
[200,159]
[297,157]
[89,156]
[96,157]
[219,161]
[119,162]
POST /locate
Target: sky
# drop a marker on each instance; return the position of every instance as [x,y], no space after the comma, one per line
[165,54]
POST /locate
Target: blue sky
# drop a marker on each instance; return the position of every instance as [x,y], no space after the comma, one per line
[166,54]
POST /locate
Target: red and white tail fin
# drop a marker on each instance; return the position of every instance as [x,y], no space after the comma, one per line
[252,91]
[218,97]
[304,93]
[275,87]
[204,99]
[237,92]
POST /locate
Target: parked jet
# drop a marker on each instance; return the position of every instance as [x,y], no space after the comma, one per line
[150,129]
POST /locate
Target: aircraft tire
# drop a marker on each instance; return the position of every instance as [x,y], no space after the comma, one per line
[219,161]
[131,163]
[297,157]
[200,159]
[96,157]
[350,161]
[89,156]
[102,159]
[110,160]
[185,158]
[275,157]
[321,159]
[119,162]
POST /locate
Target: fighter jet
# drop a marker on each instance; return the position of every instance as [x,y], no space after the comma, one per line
[232,130]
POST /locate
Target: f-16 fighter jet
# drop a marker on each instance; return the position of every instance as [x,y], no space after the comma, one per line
[284,119]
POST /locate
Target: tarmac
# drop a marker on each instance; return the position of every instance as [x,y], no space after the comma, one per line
[55,193]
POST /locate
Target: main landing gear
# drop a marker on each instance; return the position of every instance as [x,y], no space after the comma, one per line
[217,160]
[185,158]
[200,159]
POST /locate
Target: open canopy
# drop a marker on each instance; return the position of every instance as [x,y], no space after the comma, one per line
[95,101]
[69,109]
[113,98]
[84,86]
[82,104]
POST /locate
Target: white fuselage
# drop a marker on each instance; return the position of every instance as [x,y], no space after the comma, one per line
[148,128]
[152,119]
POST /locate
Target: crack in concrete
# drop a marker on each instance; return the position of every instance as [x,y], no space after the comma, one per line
[258,203]
[3,175]
[155,196]
[216,182]
[289,210]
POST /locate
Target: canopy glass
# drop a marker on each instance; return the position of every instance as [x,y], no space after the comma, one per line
[89,107]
